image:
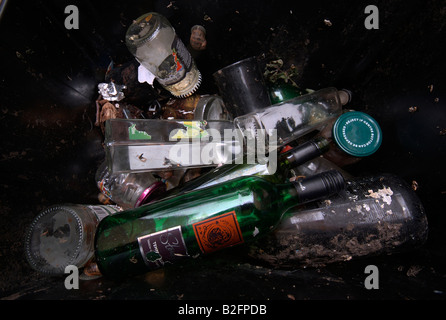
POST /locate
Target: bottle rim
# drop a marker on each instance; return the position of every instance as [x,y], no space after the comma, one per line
[38,261]
[135,28]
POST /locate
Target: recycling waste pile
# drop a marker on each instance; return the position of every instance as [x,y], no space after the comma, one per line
[252,165]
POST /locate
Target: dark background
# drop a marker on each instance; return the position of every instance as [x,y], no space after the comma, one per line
[50,148]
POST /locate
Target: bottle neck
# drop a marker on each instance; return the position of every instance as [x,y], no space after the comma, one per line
[313,188]
[303,153]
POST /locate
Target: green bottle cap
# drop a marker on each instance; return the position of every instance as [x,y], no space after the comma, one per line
[357,133]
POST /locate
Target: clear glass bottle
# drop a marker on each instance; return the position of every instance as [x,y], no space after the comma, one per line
[129,190]
[201,222]
[375,215]
[63,235]
[154,43]
[293,118]
[138,145]
[287,160]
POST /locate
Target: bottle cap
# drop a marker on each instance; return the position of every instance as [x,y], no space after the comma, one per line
[357,134]
[319,186]
[151,193]
[54,240]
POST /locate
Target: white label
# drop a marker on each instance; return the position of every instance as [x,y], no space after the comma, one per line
[104,210]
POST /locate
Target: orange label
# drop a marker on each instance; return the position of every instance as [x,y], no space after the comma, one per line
[218,232]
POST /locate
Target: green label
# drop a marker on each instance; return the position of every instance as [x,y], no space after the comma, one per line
[135,134]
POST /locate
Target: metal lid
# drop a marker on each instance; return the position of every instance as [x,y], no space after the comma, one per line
[357,133]
[211,107]
[151,193]
[54,240]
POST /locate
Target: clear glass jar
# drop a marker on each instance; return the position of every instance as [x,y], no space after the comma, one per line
[63,235]
[154,43]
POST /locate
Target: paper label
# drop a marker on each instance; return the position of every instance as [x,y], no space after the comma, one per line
[103,211]
[163,247]
[218,232]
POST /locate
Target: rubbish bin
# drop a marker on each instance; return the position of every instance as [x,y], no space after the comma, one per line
[54,54]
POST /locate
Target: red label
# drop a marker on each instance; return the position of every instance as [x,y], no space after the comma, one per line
[218,232]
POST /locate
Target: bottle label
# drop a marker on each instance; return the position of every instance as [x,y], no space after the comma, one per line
[181,54]
[174,68]
[103,188]
[218,232]
[103,211]
[163,247]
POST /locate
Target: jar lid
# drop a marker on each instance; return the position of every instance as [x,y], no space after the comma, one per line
[357,133]
[153,192]
[54,240]
[211,107]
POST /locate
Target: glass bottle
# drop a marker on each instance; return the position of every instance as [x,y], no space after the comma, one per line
[200,222]
[375,215]
[154,43]
[63,235]
[283,91]
[294,157]
[138,145]
[129,190]
[293,118]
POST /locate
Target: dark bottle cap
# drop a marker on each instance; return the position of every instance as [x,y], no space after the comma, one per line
[319,186]
[306,151]
[357,134]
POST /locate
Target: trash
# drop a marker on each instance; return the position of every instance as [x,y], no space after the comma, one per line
[296,117]
[198,107]
[154,43]
[63,235]
[277,173]
[186,188]
[200,222]
[351,225]
[129,190]
[242,87]
[198,38]
[149,145]
[111,91]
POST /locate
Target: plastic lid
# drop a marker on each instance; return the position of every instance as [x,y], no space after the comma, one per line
[54,240]
[357,133]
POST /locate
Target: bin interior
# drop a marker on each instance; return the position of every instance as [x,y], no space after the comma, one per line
[51,147]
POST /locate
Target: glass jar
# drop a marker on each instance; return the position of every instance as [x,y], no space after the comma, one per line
[154,43]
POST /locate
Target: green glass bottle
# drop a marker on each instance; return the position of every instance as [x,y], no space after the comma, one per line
[289,159]
[201,221]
